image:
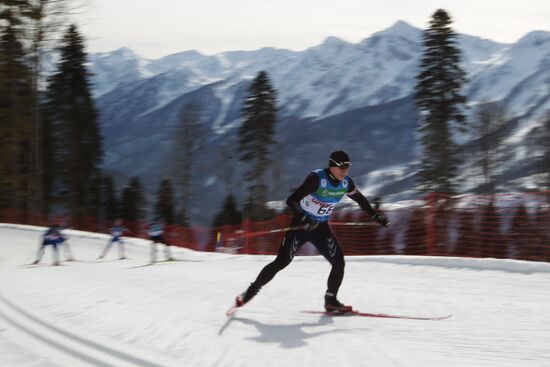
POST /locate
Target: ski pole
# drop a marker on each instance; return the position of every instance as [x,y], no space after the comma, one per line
[241,233]
[353,223]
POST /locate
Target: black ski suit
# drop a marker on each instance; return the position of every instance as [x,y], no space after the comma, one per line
[321,237]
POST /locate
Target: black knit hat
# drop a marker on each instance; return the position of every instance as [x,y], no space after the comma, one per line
[339,158]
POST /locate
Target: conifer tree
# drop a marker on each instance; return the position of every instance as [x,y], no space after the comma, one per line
[45,20]
[489,124]
[229,213]
[16,127]
[188,140]
[256,137]
[542,142]
[226,165]
[34,25]
[164,206]
[109,199]
[72,124]
[439,99]
[133,203]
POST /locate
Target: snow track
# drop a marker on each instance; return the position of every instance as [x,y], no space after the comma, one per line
[81,350]
[114,313]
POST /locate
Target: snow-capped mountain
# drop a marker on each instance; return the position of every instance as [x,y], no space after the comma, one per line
[336,76]
[334,95]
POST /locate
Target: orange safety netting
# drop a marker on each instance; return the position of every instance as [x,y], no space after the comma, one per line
[515,226]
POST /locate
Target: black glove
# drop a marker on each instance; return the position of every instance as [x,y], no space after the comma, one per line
[308,223]
[381,219]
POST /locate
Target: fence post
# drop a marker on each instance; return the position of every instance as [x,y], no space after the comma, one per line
[431,201]
[246,229]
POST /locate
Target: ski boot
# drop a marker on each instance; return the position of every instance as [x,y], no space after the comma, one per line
[246,296]
[333,305]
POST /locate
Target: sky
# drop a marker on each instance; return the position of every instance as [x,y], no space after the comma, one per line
[155,28]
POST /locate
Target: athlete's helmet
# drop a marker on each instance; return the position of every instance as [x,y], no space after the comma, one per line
[340,159]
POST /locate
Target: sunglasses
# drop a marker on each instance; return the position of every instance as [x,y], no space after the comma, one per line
[342,165]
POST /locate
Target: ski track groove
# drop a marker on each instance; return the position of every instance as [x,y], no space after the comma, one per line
[125,357]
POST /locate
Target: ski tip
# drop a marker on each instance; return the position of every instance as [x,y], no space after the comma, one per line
[231,311]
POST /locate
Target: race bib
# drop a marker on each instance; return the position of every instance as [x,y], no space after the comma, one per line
[316,207]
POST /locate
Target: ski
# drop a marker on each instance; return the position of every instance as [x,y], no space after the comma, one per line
[140,266]
[380,315]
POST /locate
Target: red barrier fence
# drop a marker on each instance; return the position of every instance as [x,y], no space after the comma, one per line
[513,226]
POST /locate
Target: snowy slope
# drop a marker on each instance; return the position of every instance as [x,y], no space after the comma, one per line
[518,75]
[115,313]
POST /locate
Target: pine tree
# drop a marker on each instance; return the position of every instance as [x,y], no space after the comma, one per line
[490,120]
[278,170]
[34,25]
[439,99]
[109,200]
[229,213]
[45,20]
[164,206]
[188,141]
[49,166]
[256,136]
[16,124]
[71,121]
[133,204]
[226,165]
[542,142]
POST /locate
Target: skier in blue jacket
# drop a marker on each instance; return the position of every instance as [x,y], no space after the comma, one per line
[312,205]
[52,237]
[156,234]
[117,231]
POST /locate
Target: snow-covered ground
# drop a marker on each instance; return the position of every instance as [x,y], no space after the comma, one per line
[120,313]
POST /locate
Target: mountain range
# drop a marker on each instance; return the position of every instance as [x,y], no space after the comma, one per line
[336,95]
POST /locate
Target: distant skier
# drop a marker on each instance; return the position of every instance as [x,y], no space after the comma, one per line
[65,243]
[52,237]
[117,231]
[156,234]
[312,205]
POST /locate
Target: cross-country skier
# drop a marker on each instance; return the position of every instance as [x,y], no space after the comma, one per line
[156,231]
[312,204]
[65,243]
[117,231]
[52,237]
